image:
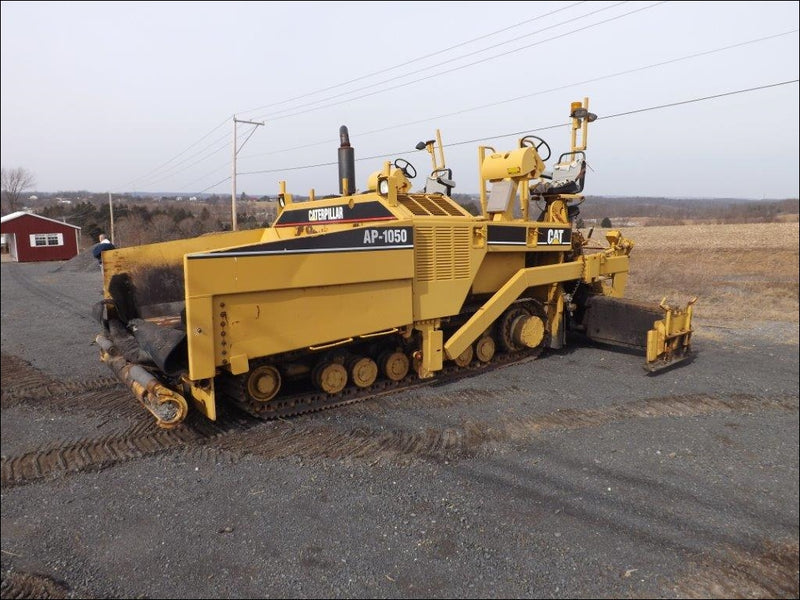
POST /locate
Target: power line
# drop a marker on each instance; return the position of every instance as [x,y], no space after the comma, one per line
[540,92]
[681,102]
[170,172]
[544,128]
[408,62]
[182,152]
[450,60]
[158,168]
[592,80]
[472,64]
[228,178]
[206,176]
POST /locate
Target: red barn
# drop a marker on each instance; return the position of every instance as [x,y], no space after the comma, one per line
[30,237]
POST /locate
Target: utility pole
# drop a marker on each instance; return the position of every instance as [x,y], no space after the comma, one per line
[234,225]
[111,213]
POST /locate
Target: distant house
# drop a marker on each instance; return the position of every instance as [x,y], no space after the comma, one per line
[31,237]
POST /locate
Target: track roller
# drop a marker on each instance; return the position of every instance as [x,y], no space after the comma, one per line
[463,359]
[363,371]
[485,348]
[527,331]
[394,365]
[330,377]
[263,383]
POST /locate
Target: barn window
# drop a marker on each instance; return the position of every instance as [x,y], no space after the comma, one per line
[47,239]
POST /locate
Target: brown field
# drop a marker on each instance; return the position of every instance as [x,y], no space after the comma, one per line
[742,273]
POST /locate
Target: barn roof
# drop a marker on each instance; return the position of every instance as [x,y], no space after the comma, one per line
[22,213]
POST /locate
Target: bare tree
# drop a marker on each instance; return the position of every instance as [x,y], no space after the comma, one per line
[162,228]
[14,182]
[131,231]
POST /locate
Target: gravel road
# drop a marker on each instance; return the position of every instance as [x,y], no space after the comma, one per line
[573,475]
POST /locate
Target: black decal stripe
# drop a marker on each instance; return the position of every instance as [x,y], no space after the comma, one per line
[286,252]
[302,223]
[340,241]
[367,211]
[507,235]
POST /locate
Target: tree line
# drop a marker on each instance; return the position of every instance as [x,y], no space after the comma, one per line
[146,223]
[676,211]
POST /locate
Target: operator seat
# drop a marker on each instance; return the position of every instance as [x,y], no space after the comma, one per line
[567,176]
[440,181]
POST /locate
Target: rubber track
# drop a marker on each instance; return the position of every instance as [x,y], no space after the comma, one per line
[303,403]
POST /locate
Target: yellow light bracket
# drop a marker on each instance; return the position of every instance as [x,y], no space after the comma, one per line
[581,117]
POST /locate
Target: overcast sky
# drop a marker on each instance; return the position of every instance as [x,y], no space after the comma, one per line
[139,96]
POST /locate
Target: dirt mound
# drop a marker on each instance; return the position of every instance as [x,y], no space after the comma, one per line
[83,261]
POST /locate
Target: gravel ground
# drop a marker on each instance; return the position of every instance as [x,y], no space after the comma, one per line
[574,475]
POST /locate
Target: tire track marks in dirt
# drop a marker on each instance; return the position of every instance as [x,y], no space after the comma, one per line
[23,383]
[48,391]
[20,374]
[453,443]
[92,454]
[114,402]
[283,439]
[28,585]
[463,397]
[737,573]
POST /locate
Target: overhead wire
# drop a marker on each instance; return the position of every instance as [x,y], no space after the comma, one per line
[212,186]
[274,116]
[541,128]
[459,67]
[171,174]
[172,171]
[533,94]
[465,66]
[243,134]
[617,74]
[181,153]
[591,80]
[414,60]
[206,176]
[693,100]
[265,117]
[360,78]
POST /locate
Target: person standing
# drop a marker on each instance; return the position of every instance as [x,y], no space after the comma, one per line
[101,246]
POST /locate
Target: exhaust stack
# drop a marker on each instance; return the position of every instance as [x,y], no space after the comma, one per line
[347,164]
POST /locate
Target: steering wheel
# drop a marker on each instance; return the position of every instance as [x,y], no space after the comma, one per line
[534,141]
[406,167]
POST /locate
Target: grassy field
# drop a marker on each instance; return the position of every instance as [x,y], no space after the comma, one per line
[743,273]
